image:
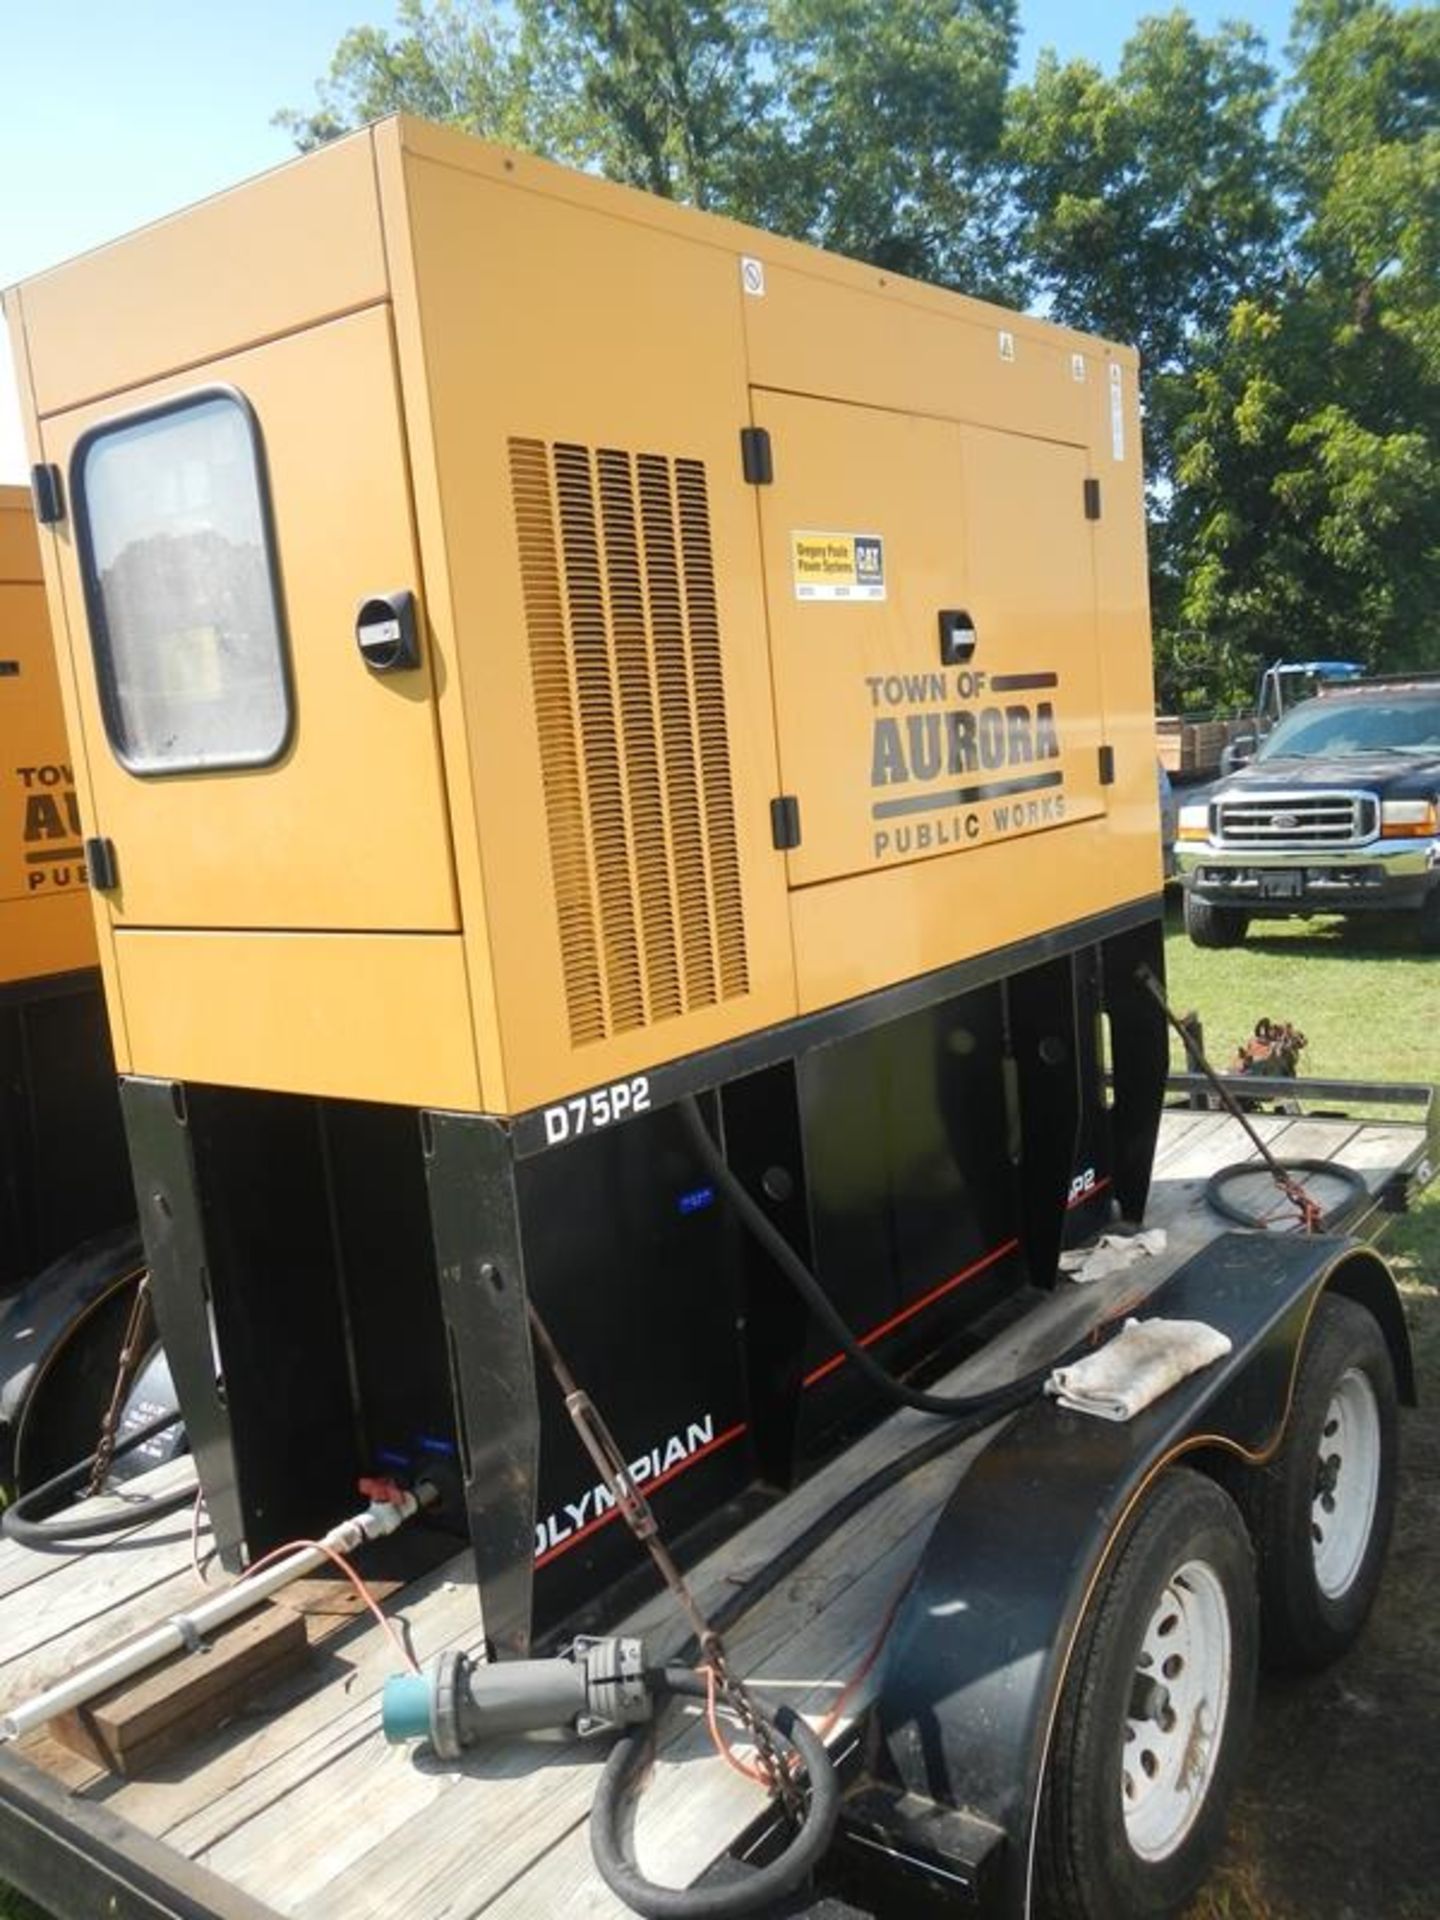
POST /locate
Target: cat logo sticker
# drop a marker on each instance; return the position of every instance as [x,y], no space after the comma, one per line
[838,566]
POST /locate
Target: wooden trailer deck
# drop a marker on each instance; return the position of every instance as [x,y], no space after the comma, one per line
[299,1808]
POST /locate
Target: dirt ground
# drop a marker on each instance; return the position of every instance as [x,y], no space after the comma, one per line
[1339,1817]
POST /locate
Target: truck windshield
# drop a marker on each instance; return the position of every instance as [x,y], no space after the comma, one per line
[1340,727]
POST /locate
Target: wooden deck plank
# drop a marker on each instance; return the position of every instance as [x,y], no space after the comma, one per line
[238,1773]
[1311,1139]
[1177,1125]
[22,1566]
[1377,1150]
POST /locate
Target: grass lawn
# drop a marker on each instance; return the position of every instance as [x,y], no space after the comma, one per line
[1366,999]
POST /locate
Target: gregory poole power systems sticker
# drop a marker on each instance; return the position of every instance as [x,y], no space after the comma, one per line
[838,566]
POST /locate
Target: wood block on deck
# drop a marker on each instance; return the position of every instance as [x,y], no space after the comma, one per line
[139,1722]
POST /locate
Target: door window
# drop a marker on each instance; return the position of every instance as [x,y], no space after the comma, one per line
[175,545]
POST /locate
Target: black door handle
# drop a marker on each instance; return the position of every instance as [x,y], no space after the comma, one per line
[957,637]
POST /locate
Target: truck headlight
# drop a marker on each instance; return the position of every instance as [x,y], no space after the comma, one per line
[1409,819]
[1194,821]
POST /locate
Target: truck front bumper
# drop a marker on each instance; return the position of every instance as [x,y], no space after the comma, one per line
[1389,878]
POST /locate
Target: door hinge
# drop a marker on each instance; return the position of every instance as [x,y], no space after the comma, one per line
[785,822]
[1107,766]
[47,490]
[100,864]
[1092,499]
[756,461]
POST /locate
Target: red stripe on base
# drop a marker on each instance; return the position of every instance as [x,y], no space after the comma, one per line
[645,1486]
[1088,1194]
[971,1272]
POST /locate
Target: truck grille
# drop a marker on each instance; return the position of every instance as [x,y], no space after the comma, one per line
[1296,820]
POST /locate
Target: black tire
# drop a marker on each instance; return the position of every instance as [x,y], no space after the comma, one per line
[1430,922]
[1306,1621]
[80,1306]
[1211,926]
[1088,1865]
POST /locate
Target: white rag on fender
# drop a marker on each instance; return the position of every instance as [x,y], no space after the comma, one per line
[1145,1359]
[1112,1253]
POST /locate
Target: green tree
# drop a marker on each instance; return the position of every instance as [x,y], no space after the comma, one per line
[1148,199]
[893,115]
[871,126]
[458,62]
[1308,505]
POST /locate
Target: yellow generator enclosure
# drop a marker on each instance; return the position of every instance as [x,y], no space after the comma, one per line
[522,633]
[45,926]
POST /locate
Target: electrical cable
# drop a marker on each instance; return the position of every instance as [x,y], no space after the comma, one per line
[984,1406]
[362,1591]
[761,1888]
[54,1535]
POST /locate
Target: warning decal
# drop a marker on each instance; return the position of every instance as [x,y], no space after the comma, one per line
[838,566]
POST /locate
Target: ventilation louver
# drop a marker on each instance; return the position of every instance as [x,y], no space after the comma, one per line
[620,609]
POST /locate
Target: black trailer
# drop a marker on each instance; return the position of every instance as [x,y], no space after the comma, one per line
[971,1623]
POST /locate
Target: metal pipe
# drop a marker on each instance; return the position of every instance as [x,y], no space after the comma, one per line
[188,1629]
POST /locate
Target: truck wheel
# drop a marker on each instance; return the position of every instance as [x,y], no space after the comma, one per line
[1320,1512]
[1211,926]
[1430,922]
[1155,1713]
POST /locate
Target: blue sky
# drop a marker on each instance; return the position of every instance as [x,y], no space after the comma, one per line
[115,112]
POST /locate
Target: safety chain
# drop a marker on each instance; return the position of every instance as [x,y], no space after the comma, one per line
[599,1443]
[124,1372]
[1310,1211]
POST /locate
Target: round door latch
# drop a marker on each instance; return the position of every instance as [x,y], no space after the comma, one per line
[386,632]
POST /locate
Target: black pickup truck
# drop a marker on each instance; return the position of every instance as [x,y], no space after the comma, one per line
[1339,812]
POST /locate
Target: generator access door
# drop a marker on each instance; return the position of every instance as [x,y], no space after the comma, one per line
[933,634]
[256,693]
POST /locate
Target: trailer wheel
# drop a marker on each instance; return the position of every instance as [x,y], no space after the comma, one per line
[1155,1713]
[1211,926]
[1320,1512]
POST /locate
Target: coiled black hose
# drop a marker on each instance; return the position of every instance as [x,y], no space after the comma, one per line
[761,1888]
[51,1535]
[986,1405]
[1346,1177]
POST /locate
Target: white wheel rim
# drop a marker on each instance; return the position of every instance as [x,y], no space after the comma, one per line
[1175,1725]
[1347,1483]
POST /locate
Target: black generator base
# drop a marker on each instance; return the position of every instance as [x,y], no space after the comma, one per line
[343,1289]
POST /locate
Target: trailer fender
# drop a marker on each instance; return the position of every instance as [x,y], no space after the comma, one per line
[59,1339]
[977,1658]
